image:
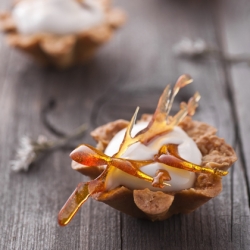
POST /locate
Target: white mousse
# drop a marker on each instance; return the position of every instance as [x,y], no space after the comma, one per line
[180,179]
[57,16]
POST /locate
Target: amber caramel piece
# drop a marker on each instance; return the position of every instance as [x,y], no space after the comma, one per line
[77,198]
[87,155]
[161,175]
[105,133]
[169,155]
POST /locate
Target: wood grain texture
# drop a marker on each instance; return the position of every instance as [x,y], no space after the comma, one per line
[232,21]
[131,70]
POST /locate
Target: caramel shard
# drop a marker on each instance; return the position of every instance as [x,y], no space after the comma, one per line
[105,133]
[91,172]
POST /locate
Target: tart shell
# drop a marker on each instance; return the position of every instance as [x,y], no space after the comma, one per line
[158,205]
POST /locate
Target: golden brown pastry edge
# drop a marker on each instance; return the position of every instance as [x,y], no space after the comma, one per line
[64,51]
[159,205]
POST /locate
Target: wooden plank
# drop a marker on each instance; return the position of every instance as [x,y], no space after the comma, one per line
[232,20]
[240,209]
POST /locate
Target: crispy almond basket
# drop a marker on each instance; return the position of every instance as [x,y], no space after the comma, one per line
[63,51]
[158,205]
[217,157]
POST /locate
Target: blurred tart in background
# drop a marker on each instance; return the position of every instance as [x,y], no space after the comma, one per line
[60,32]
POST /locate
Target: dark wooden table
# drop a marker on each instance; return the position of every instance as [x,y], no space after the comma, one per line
[131,70]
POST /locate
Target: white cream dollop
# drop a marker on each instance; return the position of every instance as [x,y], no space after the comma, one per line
[180,179]
[59,17]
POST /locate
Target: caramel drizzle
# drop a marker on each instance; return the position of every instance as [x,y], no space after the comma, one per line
[168,154]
